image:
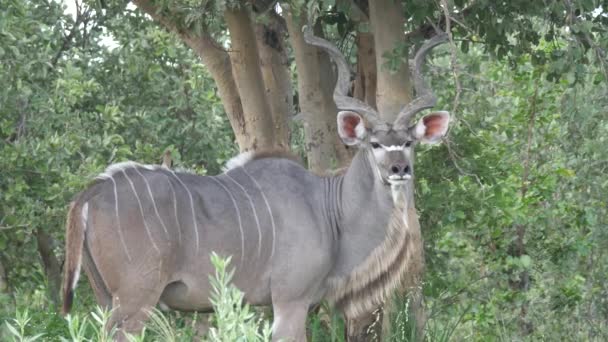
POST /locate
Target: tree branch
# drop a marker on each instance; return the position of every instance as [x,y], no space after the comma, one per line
[217,62]
[428,30]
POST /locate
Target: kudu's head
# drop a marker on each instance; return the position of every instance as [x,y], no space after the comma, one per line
[391,143]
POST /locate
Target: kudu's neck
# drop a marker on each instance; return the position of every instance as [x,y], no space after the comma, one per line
[363,194]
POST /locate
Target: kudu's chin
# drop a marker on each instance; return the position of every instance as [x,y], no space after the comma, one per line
[394,180]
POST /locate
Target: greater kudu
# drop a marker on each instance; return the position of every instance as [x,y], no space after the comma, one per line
[144,233]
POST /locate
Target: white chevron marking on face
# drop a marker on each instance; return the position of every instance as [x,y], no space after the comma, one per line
[393,147]
[162,223]
[255,215]
[238,214]
[267,206]
[141,210]
[194,224]
[120,234]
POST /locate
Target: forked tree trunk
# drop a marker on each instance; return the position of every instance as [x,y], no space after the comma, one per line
[274,65]
[317,106]
[365,84]
[343,155]
[394,90]
[237,76]
[394,87]
[217,62]
[245,61]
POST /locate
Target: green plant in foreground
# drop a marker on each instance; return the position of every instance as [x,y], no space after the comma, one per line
[101,318]
[233,320]
[21,320]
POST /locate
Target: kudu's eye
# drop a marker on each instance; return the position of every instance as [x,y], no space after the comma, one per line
[408,143]
[375,145]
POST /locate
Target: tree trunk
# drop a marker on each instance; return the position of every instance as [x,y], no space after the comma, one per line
[51,266]
[394,90]
[237,76]
[317,106]
[394,87]
[343,154]
[277,78]
[3,279]
[245,61]
[217,62]
[365,84]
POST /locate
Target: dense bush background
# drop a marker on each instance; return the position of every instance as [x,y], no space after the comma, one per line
[525,155]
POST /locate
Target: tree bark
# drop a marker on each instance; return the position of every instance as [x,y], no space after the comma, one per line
[51,265]
[217,62]
[394,88]
[316,103]
[277,79]
[3,279]
[365,83]
[343,154]
[245,61]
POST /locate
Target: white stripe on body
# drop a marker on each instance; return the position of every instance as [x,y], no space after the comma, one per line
[255,215]
[195,226]
[267,206]
[162,223]
[141,209]
[179,225]
[238,213]
[120,234]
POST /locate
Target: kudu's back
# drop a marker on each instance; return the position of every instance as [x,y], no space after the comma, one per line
[146,232]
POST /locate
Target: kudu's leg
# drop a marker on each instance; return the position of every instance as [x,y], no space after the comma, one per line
[131,308]
[290,321]
[100,289]
[365,327]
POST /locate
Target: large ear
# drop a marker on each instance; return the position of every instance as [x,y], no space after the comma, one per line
[351,128]
[432,127]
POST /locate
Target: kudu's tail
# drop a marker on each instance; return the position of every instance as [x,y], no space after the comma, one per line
[74,240]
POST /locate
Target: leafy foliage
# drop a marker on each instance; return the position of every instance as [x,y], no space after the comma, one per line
[526,153]
[523,154]
[234,322]
[64,122]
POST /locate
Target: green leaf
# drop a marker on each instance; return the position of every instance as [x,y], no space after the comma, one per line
[526,261]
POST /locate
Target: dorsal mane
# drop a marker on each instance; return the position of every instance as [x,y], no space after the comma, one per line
[118,167]
[249,156]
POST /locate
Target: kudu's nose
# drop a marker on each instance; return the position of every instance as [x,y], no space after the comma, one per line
[400,170]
